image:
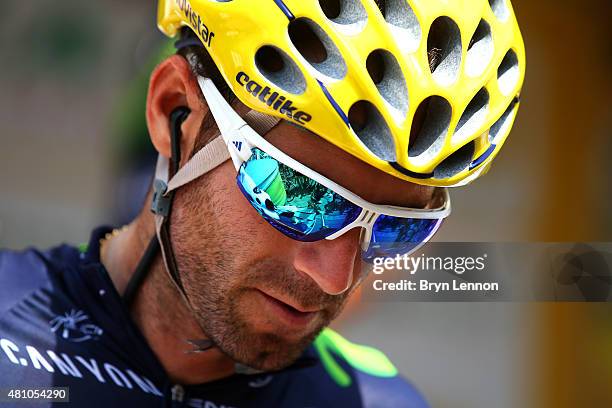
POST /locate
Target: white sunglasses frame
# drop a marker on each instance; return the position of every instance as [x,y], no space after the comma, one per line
[240,138]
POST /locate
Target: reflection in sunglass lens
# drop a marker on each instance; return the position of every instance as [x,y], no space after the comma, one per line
[295,204]
[393,236]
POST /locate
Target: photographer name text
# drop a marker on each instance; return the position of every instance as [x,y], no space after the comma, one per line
[449,266]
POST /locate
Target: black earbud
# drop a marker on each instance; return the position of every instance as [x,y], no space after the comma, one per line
[177,117]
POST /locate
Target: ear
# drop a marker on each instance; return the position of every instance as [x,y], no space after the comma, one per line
[173,85]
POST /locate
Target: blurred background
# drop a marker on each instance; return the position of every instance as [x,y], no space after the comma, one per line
[74,153]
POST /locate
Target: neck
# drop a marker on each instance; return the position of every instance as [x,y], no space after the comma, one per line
[159,310]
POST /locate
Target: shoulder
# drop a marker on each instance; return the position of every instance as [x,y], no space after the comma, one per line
[365,370]
[22,272]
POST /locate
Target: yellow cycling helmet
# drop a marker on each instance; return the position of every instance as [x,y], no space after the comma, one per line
[425,90]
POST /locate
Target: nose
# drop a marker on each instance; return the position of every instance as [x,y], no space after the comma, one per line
[330,263]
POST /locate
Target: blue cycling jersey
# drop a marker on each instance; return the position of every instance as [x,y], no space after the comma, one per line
[63,324]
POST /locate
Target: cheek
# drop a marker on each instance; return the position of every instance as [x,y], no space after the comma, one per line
[249,235]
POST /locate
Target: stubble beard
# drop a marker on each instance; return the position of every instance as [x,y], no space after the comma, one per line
[218,313]
[215,287]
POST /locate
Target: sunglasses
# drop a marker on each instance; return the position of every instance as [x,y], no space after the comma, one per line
[305,205]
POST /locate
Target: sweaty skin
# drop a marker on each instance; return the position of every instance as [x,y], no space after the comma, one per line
[259,295]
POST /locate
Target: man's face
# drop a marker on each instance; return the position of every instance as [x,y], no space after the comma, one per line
[259,295]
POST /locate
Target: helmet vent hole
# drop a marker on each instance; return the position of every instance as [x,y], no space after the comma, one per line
[444,50]
[501,128]
[306,41]
[473,117]
[456,162]
[350,15]
[480,50]
[331,8]
[386,73]
[403,23]
[500,9]
[371,128]
[376,66]
[317,48]
[429,128]
[269,59]
[508,73]
[280,69]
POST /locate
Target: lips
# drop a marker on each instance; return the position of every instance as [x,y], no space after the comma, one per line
[290,314]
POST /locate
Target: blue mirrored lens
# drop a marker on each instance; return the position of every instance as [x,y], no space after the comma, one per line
[393,236]
[296,205]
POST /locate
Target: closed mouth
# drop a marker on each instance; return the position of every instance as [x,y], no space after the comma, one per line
[290,312]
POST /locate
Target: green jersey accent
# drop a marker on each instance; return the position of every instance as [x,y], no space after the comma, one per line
[364,358]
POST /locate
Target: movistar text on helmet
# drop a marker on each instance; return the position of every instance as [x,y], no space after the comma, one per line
[196,21]
[273,99]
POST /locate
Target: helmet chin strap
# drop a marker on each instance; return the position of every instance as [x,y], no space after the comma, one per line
[164,186]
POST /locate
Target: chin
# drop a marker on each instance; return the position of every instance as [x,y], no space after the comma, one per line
[264,351]
[261,340]
[269,352]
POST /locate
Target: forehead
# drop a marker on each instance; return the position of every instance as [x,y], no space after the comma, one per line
[334,163]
